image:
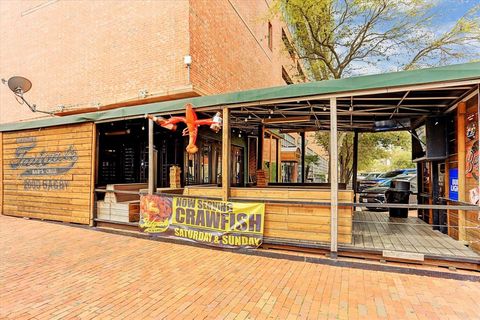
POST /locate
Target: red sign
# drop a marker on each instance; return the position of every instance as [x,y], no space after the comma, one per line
[472,160]
[472,124]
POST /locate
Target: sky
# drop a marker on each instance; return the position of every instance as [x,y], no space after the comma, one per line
[447,13]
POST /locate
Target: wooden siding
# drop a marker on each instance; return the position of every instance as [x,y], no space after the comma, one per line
[472,218]
[304,222]
[452,214]
[61,196]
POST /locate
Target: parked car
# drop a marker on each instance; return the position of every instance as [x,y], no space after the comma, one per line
[368,175]
[368,183]
[376,194]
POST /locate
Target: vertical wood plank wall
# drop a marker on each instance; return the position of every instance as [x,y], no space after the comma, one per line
[452,214]
[461,110]
[70,203]
[286,220]
[472,233]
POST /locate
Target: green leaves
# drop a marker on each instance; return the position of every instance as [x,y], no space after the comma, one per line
[371,148]
[331,35]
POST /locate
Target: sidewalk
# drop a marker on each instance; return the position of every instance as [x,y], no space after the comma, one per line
[54,271]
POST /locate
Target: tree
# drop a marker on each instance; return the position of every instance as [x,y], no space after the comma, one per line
[310,160]
[334,36]
[371,146]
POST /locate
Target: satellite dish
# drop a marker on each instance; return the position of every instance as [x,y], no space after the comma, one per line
[19,85]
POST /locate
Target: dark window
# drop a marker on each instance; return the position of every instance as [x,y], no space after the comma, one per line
[286,77]
[288,45]
[204,167]
[451,135]
[269,35]
[300,72]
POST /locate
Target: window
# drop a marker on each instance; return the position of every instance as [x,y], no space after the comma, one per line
[288,45]
[286,77]
[288,140]
[452,135]
[300,72]
[269,36]
[204,167]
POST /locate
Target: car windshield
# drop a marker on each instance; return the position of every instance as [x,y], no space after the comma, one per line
[406,177]
[385,183]
[391,174]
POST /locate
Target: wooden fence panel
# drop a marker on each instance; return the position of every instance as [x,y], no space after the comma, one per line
[47,173]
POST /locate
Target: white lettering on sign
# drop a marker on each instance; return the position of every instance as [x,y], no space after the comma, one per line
[454,186]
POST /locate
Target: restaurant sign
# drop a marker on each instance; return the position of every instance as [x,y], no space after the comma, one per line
[472,160]
[38,168]
[212,222]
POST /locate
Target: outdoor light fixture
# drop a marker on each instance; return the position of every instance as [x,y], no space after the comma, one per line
[287,120]
[217,119]
[19,86]
[187,60]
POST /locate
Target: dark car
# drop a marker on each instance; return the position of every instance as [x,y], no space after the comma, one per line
[387,176]
[368,175]
[376,194]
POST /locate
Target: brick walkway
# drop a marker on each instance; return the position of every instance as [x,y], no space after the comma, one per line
[51,271]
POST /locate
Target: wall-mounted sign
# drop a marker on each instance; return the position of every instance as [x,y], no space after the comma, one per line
[453,184]
[472,160]
[472,123]
[33,163]
[212,222]
[474,195]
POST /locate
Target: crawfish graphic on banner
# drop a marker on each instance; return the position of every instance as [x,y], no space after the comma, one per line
[217,223]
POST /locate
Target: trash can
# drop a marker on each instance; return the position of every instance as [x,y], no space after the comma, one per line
[398,193]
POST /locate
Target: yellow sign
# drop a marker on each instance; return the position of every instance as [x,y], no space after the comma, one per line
[219,223]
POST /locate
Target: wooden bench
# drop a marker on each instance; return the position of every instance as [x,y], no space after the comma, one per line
[121,207]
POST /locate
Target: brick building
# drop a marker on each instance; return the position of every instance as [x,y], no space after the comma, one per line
[89,55]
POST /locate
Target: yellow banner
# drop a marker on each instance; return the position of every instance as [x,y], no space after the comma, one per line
[213,222]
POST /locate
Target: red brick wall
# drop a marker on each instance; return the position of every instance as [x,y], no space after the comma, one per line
[93,53]
[229,46]
[82,53]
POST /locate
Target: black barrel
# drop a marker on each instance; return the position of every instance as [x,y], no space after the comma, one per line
[398,193]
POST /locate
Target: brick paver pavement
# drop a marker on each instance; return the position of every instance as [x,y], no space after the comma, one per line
[54,271]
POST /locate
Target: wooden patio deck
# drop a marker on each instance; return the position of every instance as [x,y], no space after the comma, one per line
[378,231]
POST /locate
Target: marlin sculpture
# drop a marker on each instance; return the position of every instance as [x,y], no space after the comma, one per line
[192,123]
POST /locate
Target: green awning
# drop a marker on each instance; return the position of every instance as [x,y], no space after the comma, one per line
[459,72]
